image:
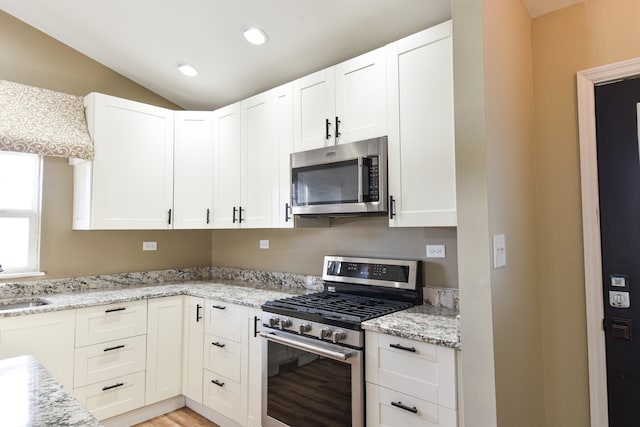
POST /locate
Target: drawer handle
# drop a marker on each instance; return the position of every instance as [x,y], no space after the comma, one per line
[111,310]
[112,386]
[401,347]
[405,407]
[217,344]
[218,383]
[219,307]
[114,348]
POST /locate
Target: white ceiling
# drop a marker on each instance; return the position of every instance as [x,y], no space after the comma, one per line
[145,39]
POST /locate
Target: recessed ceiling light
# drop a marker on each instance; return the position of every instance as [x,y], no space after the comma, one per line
[187,69]
[255,35]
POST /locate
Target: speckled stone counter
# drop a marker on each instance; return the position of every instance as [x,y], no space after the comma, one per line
[422,323]
[433,322]
[29,396]
[252,295]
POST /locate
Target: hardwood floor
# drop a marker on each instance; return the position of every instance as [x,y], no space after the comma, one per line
[183,417]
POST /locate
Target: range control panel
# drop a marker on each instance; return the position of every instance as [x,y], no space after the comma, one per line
[370,271]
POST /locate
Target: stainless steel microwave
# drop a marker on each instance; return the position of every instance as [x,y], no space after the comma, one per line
[344,179]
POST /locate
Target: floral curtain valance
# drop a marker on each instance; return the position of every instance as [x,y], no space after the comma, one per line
[41,121]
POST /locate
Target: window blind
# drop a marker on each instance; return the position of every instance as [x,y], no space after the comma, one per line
[42,121]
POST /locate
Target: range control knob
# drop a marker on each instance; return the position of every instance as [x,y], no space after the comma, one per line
[325,333]
[304,327]
[338,336]
[285,323]
[273,321]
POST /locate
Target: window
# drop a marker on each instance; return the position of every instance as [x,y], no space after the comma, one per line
[20,196]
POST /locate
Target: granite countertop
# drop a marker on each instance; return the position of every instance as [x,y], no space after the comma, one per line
[29,396]
[252,295]
[431,322]
[421,323]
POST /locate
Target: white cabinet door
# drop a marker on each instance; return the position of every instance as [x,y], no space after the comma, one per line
[259,157]
[254,407]
[313,106]
[361,97]
[164,349]
[227,164]
[110,322]
[192,356]
[283,121]
[225,375]
[422,177]
[129,185]
[193,169]
[47,336]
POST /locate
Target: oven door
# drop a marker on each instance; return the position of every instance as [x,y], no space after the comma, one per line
[310,383]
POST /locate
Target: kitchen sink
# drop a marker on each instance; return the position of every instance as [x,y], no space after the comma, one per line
[15,304]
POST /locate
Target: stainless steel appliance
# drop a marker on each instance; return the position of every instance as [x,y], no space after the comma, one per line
[342,179]
[313,349]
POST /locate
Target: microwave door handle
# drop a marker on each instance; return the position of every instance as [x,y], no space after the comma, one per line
[360,180]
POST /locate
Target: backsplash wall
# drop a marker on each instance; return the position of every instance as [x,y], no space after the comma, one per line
[301,250]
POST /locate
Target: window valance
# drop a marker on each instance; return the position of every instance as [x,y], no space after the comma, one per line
[41,121]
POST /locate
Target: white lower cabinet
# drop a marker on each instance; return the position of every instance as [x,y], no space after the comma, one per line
[226,360]
[110,357]
[164,348]
[47,336]
[120,357]
[409,383]
[193,348]
[115,396]
[100,362]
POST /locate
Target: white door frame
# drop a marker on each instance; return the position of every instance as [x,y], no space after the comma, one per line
[586,80]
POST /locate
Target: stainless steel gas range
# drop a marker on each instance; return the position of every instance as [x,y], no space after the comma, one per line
[313,354]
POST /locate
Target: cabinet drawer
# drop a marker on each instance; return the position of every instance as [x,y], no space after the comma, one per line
[224,397]
[101,362]
[110,322]
[225,320]
[222,356]
[416,368]
[387,407]
[116,396]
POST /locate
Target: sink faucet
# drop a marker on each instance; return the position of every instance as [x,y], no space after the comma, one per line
[1,269]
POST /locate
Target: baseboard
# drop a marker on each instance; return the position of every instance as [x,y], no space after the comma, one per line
[210,414]
[145,413]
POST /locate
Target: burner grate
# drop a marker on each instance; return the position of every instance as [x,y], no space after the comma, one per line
[344,306]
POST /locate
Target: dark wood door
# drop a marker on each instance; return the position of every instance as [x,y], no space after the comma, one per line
[619,190]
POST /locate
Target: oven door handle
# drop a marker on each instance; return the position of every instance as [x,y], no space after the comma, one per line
[335,355]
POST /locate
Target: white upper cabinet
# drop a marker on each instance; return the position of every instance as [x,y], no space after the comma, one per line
[259,156]
[361,97]
[281,203]
[341,104]
[193,169]
[129,185]
[422,180]
[226,167]
[314,110]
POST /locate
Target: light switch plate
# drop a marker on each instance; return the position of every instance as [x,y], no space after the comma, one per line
[264,244]
[499,251]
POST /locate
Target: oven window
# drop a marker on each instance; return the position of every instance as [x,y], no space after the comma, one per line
[326,184]
[307,390]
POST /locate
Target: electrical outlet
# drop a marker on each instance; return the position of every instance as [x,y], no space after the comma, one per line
[149,246]
[436,251]
[264,244]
